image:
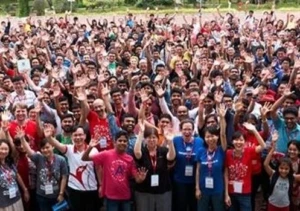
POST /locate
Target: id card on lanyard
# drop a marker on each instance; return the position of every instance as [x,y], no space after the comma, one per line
[49,185]
[209,181]
[189,168]
[12,191]
[237,184]
[155,176]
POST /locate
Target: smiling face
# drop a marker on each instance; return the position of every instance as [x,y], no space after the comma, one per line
[284,169]
[4,150]
[121,144]
[151,141]
[293,151]
[239,143]
[20,113]
[211,140]
[290,120]
[47,150]
[128,124]
[78,137]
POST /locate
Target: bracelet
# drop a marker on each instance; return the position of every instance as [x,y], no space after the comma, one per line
[61,193]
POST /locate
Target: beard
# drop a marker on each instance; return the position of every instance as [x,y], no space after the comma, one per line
[67,129]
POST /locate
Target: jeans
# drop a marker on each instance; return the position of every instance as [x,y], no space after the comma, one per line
[117,205]
[184,198]
[90,199]
[240,202]
[45,204]
[216,201]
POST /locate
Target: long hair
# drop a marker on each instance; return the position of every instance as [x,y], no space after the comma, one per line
[9,159]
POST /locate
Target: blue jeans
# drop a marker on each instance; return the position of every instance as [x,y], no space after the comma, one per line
[117,205]
[217,202]
[240,202]
[44,203]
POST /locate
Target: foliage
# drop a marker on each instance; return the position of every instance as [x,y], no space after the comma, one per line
[63,5]
[152,3]
[24,9]
[39,7]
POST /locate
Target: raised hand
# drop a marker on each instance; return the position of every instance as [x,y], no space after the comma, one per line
[48,130]
[80,94]
[144,95]
[265,109]
[105,91]
[20,133]
[142,173]
[159,91]
[56,91]
[287,91]
[222,110]
[94,143]
[81,82]
[249,126]
[169,135]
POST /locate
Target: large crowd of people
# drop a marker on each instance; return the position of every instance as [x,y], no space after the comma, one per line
[150,114]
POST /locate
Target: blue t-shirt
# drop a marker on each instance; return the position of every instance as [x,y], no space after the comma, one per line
[285,135]
[185,156]
[216,171]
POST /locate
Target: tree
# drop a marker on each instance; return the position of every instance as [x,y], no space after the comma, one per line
[24,9]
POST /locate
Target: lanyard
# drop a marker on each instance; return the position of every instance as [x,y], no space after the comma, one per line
[7,174]
[153,162]
[49,165]
[210,157]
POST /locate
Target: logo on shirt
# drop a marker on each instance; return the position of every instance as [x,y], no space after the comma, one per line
[118,170]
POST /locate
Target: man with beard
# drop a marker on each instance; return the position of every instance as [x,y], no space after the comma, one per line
[128,124]
[67,124]
[103,126]
[117,105]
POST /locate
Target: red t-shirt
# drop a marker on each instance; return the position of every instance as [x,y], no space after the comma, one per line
[117,169]
[30,131]
[240,169]
[99,128]
[251,141]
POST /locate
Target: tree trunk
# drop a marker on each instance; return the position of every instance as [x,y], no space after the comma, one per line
[24,8]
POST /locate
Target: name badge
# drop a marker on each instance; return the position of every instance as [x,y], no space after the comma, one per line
[154,180]
[48,189]
[209,182]
[188,171]
[237,187]
[12,192]
[103,142]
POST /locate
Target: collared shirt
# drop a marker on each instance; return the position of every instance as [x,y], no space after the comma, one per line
[285,135]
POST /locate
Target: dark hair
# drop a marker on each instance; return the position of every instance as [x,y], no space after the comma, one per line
[43,143]
[65,116]
[128,115]
[62,98]
[167,116]
[9,159]
[214,130]
[115,90]
[121,133]
[290,110]
[150,131]
[297,144]
[17,79]
[176,90]
[186,121]
[237,134]
[210,116]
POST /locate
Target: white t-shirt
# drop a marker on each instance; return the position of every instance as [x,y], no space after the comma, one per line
[28,99]
[82,174]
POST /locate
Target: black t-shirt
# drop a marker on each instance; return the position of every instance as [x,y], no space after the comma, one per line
[161,170]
